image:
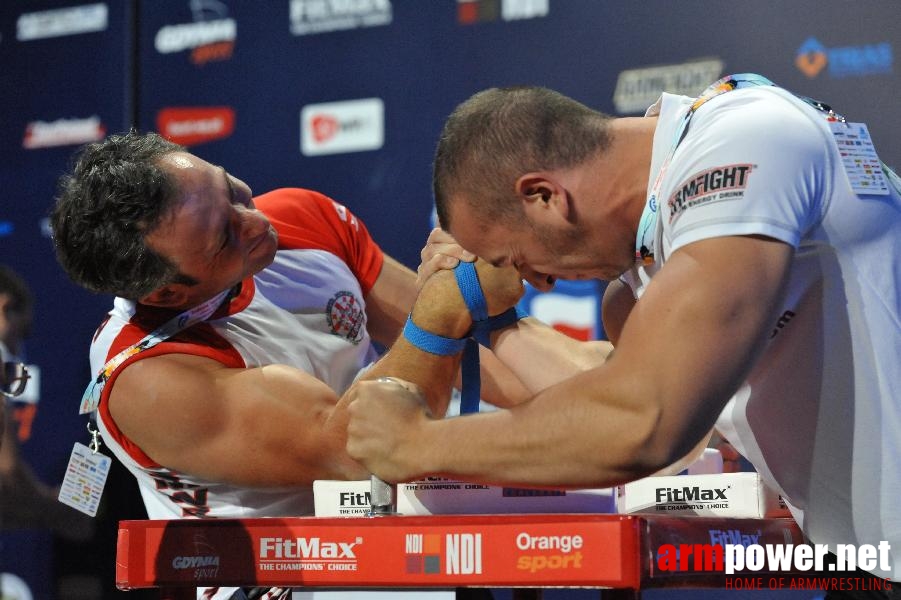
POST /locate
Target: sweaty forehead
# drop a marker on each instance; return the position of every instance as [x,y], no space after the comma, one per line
[180,160]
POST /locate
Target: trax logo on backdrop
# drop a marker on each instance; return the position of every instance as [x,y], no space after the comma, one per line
[346,126]
[321,16]
[211,37]
[480,11]
[870,59]
[63,132]
[190,126]
[637,89]
[86,18]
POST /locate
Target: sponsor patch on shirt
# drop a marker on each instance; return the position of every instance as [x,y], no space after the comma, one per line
[727,182]
[346,317]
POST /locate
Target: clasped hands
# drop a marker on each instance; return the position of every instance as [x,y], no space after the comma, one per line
[388,418]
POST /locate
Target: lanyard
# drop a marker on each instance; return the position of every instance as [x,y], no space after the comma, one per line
[644,242]
[90,400]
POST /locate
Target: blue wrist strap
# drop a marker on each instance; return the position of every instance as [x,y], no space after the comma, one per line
[471,379]
[482,326]
[481,330]
[431,342]
[471,289]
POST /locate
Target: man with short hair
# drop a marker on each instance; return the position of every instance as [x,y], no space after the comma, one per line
[751,277]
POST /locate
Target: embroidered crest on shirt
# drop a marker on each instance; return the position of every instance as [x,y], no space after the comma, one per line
[727,182]
[345,316]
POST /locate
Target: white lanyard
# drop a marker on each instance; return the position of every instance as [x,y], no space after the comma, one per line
[90,400]
[645,240]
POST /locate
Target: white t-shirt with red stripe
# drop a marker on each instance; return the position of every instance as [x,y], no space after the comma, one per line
[306,310]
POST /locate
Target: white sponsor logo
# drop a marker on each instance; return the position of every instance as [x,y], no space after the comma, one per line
[59,22]
[637,89]
[463,553]
[175,38]
[564,543]
[513,10]
[320,16]
[413,543]
[348,126]
[306,548]
[211,126]
[63,132]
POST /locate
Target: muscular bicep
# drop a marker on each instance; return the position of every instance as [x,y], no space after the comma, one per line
[267,426]
[698,329]
[616,305]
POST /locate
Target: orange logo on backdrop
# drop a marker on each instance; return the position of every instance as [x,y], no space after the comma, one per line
[811,63]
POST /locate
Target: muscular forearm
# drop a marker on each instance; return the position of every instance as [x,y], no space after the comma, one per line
[440,310]
[560,438]
[433,375]
[540,356]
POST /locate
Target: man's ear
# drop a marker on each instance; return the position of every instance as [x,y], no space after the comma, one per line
[168,296]
[542,195]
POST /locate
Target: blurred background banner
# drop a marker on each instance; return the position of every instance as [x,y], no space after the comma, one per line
[348,97]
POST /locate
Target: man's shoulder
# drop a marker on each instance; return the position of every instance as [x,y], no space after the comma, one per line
[291,199]
[765,112]
[304,207]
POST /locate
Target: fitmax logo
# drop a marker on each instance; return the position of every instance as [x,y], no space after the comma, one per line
[355,499]
[690,494]
[306,548]
[736,537]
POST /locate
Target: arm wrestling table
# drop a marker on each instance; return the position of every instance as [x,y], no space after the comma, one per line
[615,553]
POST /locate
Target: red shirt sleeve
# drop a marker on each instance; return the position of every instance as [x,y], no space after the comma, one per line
[306,219]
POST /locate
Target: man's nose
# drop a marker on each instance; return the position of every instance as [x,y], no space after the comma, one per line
[252,223]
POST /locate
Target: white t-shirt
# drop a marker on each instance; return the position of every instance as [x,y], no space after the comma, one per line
[306,309]
[820,414]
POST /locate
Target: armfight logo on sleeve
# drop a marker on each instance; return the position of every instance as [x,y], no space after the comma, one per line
[713,185]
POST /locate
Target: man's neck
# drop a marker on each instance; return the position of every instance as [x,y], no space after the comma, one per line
[620,175]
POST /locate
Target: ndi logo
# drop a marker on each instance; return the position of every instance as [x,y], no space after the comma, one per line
[813,57]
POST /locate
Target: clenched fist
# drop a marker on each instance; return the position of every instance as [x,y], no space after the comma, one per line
[387,428]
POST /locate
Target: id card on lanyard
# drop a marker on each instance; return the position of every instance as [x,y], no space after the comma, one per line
[88,468]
